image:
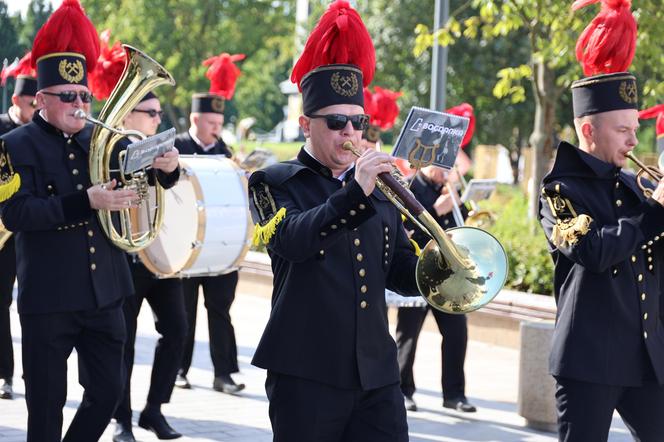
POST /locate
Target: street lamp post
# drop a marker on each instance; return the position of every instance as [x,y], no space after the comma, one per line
[439,58]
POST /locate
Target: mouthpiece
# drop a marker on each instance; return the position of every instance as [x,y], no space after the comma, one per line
[348,145]
[80,114]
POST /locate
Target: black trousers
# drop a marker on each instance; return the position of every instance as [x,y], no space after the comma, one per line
[7,277]
[308,411]
[219,293]
[48,339]
[167,304]
[453,328]
[585,410]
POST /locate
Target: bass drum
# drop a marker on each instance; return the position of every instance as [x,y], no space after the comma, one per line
[207,226]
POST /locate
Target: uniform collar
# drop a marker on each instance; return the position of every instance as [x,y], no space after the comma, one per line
[572,161]
[82,137]
[205,147]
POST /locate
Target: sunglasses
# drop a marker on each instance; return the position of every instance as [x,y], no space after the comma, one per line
[339,121]
[70,96]
[151,112]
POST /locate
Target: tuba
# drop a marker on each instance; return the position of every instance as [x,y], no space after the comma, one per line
[4,235]
[141,75]
[457,272]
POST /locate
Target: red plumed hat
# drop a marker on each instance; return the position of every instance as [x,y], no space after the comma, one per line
[385,109]
[223,73]
[23,67]
[655,112]
[337,61]
[465,110]
[65,47]
[109,67]
[608,43]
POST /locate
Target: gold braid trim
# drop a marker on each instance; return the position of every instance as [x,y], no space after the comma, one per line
[418,251]
[8,188]
[568,232]
[263,234]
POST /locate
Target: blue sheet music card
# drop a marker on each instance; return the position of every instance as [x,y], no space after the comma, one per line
[430,137]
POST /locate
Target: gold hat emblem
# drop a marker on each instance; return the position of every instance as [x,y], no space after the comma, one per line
[72,72]
[628,92]
[345,85]
[217,104]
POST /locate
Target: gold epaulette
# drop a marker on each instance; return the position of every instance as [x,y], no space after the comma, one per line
[570,226]
[10,181]
[263,234]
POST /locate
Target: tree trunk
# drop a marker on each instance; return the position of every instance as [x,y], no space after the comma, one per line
[541,140]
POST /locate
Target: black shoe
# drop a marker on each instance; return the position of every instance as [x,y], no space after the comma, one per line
[226,384]
[459,404]
[410,403]
[156,422]
[123,433]
[6,391]
[181,381]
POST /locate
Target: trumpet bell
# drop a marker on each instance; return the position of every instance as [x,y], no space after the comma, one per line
[481,219]
[464,289]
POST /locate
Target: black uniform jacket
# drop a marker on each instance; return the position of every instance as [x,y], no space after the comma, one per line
[427,193]
[607,249]
[187,146]
[332,257]
[64,261]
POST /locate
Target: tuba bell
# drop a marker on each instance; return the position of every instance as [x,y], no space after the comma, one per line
[141,75]
[458,271]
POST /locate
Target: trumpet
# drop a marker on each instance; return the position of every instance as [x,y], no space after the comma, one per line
[457,272]
[652,172]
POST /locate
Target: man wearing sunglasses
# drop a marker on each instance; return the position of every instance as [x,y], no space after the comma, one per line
[204,138]
[72,279]
[20,113]
[335,243]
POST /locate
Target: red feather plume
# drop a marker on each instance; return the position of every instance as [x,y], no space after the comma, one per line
[465,110]
[223,73]
[655,112]
[608,43]
[109,68]
[369,105]
[23,67]
[68,29]
[339,37]
[384,108]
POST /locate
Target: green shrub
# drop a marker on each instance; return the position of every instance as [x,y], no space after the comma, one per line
[530,265]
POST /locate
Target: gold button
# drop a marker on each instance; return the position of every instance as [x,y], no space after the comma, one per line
[650,267]
[387,238]
[359,257]
[59,228]
[352,213]
[333,226]
[650,259]
[93,266]
[617,184]
[343,221]
[645,334]
[649,251]
[79,187]
[645,316]
[643,296]
[446,222]
[387,246]
[386,263]
[363,304]
[656,237]
[643,247]
[362,272]
[640,277]
[323,233]
[386,254]
[322,252]
[68,140]
[387,229]
[362,206]
[90,233]
[72,156]
[92,250]
[49,187]
[363,289]
[633,258]
[615,271]
[356,242]
[74,172]
[649,243]
[618,203]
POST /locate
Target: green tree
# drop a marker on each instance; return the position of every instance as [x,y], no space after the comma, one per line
[11,47]
[551,29]
[36,15]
